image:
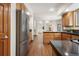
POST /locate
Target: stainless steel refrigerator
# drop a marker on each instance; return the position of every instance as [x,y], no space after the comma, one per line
[22,28]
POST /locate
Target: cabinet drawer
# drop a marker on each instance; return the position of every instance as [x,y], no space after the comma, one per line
[57,36]
[66,36]
[48,37]
[75,37]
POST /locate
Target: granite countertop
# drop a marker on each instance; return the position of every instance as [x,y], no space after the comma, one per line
[71,33]
[66,47]
[52,32]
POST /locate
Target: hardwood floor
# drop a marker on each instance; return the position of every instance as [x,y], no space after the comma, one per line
[37,48]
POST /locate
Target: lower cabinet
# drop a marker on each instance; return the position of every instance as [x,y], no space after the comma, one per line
[51,36]
[65,36]
[47,36]
[75,37]
[57,36]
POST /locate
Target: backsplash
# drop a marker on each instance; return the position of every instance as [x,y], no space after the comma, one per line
[76,31]
[73,31]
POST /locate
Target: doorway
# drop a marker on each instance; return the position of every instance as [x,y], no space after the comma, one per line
[4,29]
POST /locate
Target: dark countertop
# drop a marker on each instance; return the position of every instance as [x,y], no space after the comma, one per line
[64,32]
[71,33]
[52,31]
[66,47]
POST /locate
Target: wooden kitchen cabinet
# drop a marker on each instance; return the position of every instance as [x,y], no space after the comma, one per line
[65,36]
[65,21]
[21,6]
[75,36]
[47,36]
[68,19]
[18,6]
[57,36]
[76,18]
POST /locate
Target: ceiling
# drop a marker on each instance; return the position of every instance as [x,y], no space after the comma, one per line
[41,10]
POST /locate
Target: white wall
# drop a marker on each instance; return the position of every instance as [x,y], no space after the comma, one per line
[13,30]
[46,25]
[34,25]
[53,24]
[31,25]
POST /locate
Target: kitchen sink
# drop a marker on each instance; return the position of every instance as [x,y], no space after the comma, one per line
[75,41]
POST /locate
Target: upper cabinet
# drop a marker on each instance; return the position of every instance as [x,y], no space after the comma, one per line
[21,6]
[77,18]
[70,20]
[64,20]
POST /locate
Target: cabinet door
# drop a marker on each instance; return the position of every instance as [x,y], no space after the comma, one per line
[68,19]
[66,36]
[18,6]
[77,18]
[75,37]
[47,37]
[63,36]
[57,36]
[65,20]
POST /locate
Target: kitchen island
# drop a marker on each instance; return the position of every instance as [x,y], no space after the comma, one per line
[66,47]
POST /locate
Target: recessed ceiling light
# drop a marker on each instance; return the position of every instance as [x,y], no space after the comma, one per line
[28,13]
[67,10]
[47,22]
[40,22]
[51,9]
